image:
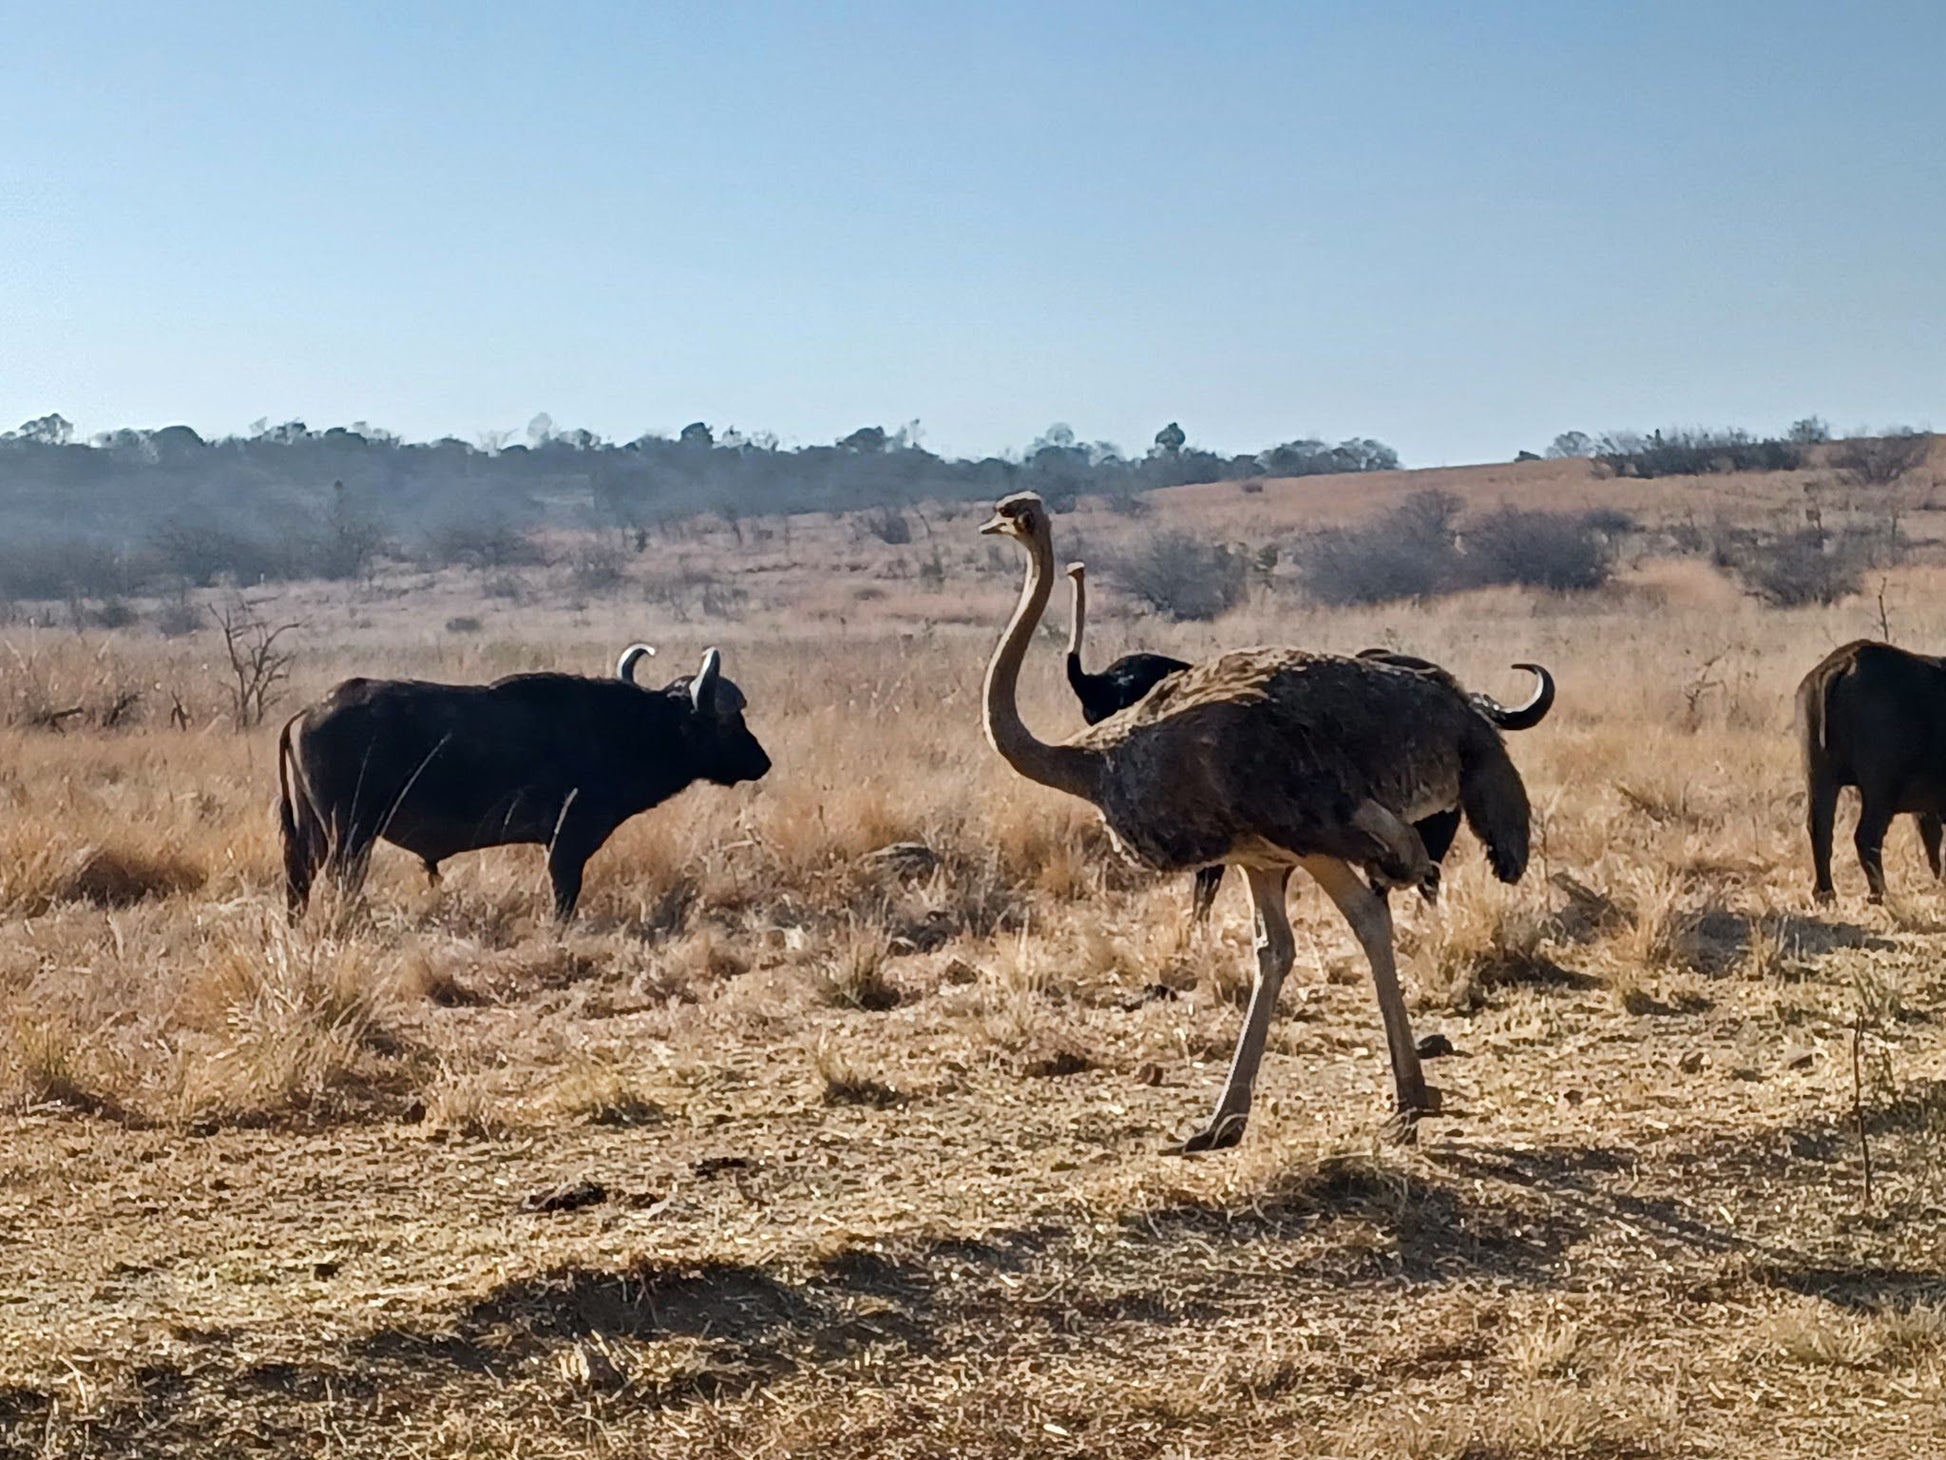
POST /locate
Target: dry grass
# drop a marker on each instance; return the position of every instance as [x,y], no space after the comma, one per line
[865,1074]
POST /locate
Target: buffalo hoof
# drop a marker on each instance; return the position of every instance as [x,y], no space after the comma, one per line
[1223,1132]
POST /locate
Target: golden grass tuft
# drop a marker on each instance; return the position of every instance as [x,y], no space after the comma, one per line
[36,878]
[48,1062]
[843,1083]
[296,1030]
[1483,937]
[598,1091]
[851,971]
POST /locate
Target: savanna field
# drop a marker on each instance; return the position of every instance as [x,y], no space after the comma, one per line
[835,1123]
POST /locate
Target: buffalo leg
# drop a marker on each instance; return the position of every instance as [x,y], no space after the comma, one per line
[1437,832]
[1821,810]
[1208,879]
[301,857]
[1874,817]
[348,853]
[567,856]
[1929,829]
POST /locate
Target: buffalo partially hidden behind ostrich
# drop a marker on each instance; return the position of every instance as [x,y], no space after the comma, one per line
[1132,676]
[560,760]
[1270,760]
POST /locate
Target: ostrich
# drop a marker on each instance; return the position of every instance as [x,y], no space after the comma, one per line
[1132,676]
[1273,759]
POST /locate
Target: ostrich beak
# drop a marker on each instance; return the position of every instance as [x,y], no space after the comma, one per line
[995,523]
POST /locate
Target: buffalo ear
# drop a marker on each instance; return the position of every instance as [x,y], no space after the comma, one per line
[702,689]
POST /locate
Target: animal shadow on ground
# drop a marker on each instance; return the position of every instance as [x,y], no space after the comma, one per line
[1727,937]
[1863,1288]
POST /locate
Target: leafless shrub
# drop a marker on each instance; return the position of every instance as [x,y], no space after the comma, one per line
[483,545]
[1419,549]
[1879,461]
[692,591]
[1806,566]
[201,552]
[176,618]
[597,567]
[1183,576]
[258,665]
[53,571]
[1410,552]
[1686,452]
[110,613]
[1563,551]
[888,525]
[464,623]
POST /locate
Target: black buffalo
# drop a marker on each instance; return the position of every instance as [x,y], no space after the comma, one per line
[1873,717]
[556,759]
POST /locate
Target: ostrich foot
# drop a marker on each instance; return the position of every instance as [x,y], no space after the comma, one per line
[1403,1127]
[1223,1131]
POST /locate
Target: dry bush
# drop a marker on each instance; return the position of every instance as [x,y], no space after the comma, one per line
[484,545]
[599,566]
[47,1061]
[1685,452]
[598,1091]
[59,571]
[844,1084]
[1661,931]
[1420,549]
[467,1107]
[1562,551]
[294,1030]
[1816,1335]
[1410,552]
[1879,461]
[47,873]
[888,525]
[1484,937]
[851,972]
[692,591]
[1182,576]
[1804,567]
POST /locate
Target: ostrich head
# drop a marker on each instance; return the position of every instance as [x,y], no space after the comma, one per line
[1022,517]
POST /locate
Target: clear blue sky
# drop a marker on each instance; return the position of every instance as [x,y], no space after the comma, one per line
[1460,227]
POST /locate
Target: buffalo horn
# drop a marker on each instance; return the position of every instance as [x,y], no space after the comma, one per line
[1522,717]
[632,655]
[702,689]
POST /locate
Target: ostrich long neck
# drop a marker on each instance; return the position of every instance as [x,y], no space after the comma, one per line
[1064,767]
[1075,628]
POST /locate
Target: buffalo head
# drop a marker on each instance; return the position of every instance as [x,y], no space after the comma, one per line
[725,751]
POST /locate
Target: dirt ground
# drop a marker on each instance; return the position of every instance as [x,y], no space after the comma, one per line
[836,1126]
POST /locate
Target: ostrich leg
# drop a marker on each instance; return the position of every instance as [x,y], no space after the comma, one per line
[1371,924]
[1276,948]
